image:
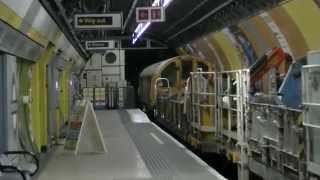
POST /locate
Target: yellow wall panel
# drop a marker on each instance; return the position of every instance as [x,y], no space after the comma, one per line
[9,16]
[252,39]
[290,30]
[295,20]
[35,105]
[229,50]
[39,98]
[64,96]
[265,33]
[37,37]
[306,14]
[224,64]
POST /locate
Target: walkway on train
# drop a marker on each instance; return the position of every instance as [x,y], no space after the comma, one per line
[137,150]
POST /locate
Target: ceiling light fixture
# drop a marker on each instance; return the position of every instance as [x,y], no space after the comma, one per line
[142,27]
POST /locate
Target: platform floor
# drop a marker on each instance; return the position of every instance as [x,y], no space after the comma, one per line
[137,150]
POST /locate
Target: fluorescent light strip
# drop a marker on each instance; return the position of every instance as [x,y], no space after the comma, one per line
[166,3]
[142,27]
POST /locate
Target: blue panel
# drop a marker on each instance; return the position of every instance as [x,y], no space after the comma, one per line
[291,87]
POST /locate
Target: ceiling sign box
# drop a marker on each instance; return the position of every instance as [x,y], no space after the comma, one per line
[150,14]
[98,21]
[101,45]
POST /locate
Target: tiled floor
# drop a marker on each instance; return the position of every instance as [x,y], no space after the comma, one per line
[137,150]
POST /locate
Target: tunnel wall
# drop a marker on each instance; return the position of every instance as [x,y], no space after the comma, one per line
[292,26]
[31,20]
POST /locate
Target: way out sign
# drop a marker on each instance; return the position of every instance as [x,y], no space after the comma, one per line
[150,14]
[98,21]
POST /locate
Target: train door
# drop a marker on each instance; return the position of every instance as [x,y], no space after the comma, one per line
[15,121]
[10,103]
[14,115]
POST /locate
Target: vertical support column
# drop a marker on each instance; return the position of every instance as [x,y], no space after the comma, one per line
[64,95]
[229,104]
[39,98]
[3,124]
[243,79]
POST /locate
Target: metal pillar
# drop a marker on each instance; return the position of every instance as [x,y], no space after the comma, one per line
[53,99]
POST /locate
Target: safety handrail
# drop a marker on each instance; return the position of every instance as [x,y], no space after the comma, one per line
[156,86]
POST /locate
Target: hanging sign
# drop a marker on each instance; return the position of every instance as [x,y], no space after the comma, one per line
[150,14]
[98,21]
[101,45]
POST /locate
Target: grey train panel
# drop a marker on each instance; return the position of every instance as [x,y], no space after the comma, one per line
[53,78]
[11,70]
[8,139]
[14,42]
[3,124]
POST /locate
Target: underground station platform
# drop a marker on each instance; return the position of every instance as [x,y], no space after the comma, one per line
[136,149]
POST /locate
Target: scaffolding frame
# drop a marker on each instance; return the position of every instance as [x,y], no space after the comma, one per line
[310,104]
[200,92]
[233,102]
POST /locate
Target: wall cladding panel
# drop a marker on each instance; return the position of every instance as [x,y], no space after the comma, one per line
[290,25]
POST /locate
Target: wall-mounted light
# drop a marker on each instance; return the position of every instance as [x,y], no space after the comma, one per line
[57,85]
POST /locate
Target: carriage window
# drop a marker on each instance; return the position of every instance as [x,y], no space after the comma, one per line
[170,73]
[203,66]
[186,69]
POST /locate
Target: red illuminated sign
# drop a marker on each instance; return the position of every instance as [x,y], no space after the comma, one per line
[143,14]
[155,14]
[150,14]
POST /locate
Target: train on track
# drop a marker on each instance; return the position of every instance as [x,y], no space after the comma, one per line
[253,116]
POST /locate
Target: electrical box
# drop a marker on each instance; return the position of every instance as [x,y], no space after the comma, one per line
[104,68]
[105,73]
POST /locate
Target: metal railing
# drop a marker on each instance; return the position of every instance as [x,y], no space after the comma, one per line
[201,89]
[111,97]
[233,95]
[311,103]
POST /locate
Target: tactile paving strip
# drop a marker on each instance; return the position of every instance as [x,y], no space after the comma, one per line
[164,158]
[158,165]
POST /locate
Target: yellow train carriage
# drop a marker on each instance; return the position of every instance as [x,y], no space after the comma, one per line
[166,91]
[176,70]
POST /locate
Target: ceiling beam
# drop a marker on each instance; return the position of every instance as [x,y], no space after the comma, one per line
[133,6]
[201,19]
[71,29]
[64,26]
[185,16]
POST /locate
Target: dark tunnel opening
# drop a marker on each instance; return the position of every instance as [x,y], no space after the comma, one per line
[136,61]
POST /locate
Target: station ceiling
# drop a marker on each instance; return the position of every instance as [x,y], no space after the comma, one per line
[185,19]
